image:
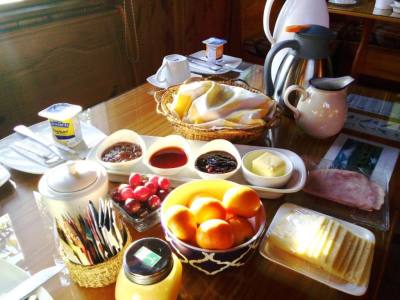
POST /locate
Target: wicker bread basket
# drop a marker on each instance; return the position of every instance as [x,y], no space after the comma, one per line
[99,275]
[191,131]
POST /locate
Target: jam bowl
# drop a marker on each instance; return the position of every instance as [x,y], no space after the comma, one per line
[210,262]
[121,150]
[168,155]
[218,159]
[266,181]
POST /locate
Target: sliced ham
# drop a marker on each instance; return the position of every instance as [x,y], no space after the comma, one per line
[345,187]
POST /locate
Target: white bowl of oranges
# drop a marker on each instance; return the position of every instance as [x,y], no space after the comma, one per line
[213,224]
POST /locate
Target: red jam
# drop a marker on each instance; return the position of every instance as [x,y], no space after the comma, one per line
[168,158]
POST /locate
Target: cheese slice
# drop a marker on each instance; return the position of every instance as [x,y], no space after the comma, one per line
[349,257]
[358,271]
[269,165]
[340,250]
[333,238]
[314,250]
[365,273]
[354,262]
[295,232]
[317,252]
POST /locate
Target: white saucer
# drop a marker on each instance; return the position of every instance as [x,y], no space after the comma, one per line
[229,62]
[163,85]
[4,175]
[8,157]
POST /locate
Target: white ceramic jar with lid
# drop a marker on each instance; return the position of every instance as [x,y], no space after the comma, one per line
[68,188]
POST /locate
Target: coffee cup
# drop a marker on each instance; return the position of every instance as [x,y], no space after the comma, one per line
[174,70]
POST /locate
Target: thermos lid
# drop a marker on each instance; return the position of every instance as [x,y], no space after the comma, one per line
[72,176]
[316,32]
[148,261]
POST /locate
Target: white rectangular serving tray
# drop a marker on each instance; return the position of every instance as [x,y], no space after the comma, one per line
[295,184]
[303,267]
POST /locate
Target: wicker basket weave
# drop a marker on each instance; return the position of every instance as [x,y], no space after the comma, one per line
[99,275]
[191,131]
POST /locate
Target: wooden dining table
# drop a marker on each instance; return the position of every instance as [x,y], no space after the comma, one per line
[258,279]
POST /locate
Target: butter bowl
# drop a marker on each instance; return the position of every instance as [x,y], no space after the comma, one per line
[265,181]
[120,136]
[168,143]
[219,146]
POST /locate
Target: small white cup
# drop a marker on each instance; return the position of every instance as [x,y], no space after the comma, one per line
[174,70]
[383,4]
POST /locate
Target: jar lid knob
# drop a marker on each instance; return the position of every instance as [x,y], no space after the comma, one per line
[72,168]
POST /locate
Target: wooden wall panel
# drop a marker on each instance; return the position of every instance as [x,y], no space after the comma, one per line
[80,60]
[84,59]
[176,26]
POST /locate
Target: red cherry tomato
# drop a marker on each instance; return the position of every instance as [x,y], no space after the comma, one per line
[154,202]
[126,193]
[132,206]
[135,179]
[141,193]
[122,186]
[151,187]
[116,196]
[163,183]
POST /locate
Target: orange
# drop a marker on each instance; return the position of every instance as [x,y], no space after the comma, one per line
[215,234]
[206,208]
[242,229]
[241,201]
[181,222]
[198,195]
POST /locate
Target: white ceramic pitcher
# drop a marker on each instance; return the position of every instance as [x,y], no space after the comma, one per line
[293,12]
[322,108]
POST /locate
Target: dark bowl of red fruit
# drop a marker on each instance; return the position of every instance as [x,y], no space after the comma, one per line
[140,199]
[168,155]
[218,159]
[121,150]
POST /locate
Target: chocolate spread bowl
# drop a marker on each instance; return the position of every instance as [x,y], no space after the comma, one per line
[220,155]
[121,150]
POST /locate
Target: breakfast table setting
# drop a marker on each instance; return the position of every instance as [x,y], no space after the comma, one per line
[197,185]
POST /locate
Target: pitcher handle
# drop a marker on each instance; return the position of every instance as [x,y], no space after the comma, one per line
[303,96]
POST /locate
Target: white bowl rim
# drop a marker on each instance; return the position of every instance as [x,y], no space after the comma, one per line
[131,162]
[147,155]
[256,236]
[287,159]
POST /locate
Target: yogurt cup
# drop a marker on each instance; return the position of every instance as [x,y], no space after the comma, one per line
[214,49]
[64,123]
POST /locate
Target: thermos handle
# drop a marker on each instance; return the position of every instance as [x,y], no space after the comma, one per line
[303,96]
[266,18]
[269,85]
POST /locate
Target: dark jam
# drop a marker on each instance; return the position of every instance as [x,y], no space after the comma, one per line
[120,152]
[167,158]
[216,162]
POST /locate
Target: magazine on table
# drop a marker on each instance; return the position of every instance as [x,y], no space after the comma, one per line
[374,160]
